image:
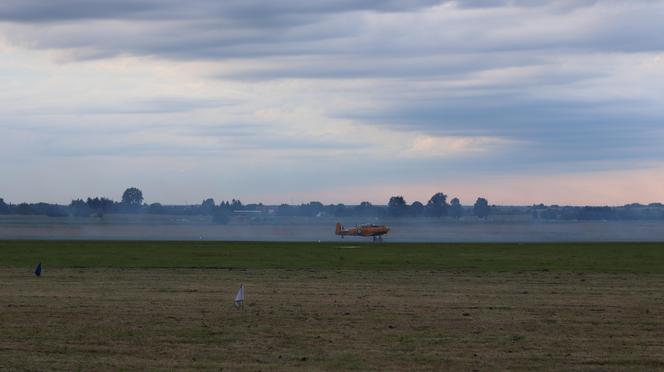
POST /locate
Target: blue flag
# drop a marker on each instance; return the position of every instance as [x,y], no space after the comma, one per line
[38,270]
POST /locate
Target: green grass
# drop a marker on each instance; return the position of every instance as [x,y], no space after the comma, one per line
[595,257]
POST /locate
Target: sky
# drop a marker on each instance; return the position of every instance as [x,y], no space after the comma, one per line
[521,102]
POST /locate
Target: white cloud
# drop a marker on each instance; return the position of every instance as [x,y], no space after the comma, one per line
[433,146]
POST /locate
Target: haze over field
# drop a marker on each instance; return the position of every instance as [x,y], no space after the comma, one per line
[519,101]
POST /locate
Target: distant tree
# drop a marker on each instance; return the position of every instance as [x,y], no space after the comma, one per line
[397,206]
[316,207]
[79,208]
[236,204]
[208,206]
[417,209]
[50,210]
[24,208]
[340,210]
[481,208]
[437,205]
[4,208]
[595,213]
[255,207]
[100,205]
[225,205]
[365,209]
[132,198]
[310,209]
[456,210]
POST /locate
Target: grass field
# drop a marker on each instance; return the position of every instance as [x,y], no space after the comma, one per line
[598,257]
[331,306]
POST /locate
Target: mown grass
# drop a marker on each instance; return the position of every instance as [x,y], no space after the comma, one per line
[590,257]
[326,320]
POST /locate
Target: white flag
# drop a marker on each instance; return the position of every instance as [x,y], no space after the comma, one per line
[239,297]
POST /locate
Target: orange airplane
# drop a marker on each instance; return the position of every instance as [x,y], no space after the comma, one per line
[375,231]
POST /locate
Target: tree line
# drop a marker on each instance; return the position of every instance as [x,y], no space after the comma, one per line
[133,202]
[635,211]
[437,206]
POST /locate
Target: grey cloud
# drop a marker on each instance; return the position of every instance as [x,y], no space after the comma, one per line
[547,130]
[47,11]
[252,10]
[184,30]
[336,29]
[559,4]
[88,139]
[372,67]
[255,11]
[287,148]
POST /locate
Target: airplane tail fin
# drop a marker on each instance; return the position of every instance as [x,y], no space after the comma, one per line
[339,228]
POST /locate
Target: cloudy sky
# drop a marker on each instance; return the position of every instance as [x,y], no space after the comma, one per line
[339,101]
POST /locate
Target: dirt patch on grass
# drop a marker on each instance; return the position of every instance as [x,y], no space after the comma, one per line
[325,319]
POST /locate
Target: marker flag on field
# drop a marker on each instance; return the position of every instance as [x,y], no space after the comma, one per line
[38,269]
[239,297]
